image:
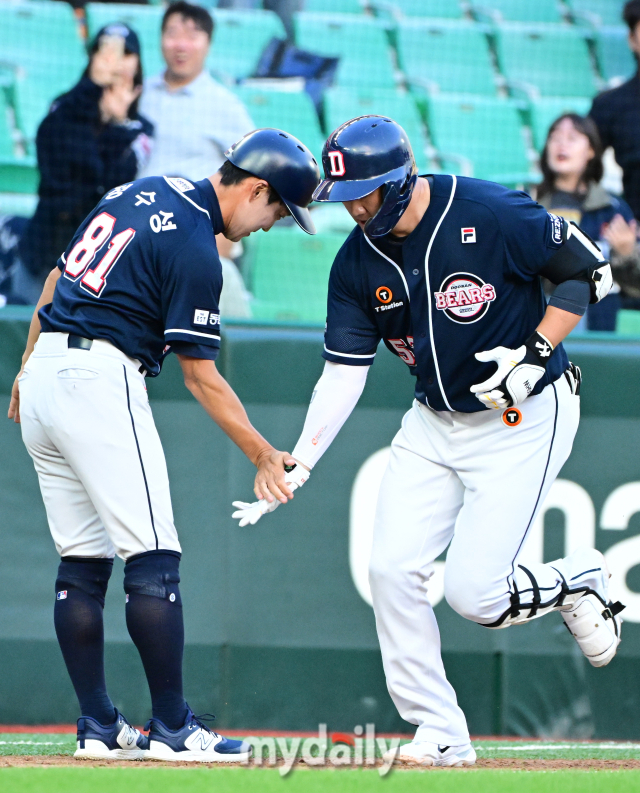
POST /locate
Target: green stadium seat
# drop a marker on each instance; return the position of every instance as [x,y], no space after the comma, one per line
[290,273]
[341,104]
[361,45]
[144,19]
[292,112]
[553,59]
[19,176]
[614,56]
[520,10]
[42,38]
[32,99]
[239,39]
[6,139]
[601,12]
[440,9]
[454,56]
[545,110]
[485,131]
[334,6]
[628,323]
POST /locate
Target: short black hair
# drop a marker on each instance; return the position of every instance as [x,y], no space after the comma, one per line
[631,14]
[200,16]
[230,174]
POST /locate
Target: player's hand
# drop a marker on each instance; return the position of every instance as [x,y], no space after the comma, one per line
[517,373]
[270,480]
[250,513]
[14,404]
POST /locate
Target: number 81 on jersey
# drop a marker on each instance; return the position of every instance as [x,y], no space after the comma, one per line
[84,252]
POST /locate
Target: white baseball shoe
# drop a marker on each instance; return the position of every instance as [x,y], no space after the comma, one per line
[425,753]
[593,620]
[117,741]
[194,742]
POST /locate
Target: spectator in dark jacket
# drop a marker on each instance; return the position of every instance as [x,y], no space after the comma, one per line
[617,116]
[571,164]
[92,140]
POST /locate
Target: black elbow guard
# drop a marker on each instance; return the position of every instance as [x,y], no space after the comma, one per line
[580,259]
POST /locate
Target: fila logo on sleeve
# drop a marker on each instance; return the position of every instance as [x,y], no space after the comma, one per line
[468,234]
[337,163]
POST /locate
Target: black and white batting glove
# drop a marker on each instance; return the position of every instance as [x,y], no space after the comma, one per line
[517,374]
[249,513]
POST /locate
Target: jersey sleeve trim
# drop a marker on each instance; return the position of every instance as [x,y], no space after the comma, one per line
[348,354]
[192,333]
[347,358]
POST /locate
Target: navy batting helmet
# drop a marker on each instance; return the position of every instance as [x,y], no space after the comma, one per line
[363,154]
[284,162]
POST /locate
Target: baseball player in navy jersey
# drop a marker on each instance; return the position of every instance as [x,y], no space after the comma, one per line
[446,271]
[140,278]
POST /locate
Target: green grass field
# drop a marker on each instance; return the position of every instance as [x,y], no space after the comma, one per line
[241,780]
[34,749]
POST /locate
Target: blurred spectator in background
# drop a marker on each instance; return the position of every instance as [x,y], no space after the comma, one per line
[196,120]
[92,140]
[617,116]
[285,9]
[571,164]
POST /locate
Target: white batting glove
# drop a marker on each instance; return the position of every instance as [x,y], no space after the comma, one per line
[517,374]
[250,513]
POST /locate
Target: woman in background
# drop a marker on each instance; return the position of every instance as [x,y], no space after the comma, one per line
[92,140]
[571,164]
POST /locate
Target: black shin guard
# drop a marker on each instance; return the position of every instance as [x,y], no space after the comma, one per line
[154,621]
[80,589]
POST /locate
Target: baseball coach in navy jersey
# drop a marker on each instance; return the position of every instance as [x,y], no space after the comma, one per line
[141,278]
[446,271]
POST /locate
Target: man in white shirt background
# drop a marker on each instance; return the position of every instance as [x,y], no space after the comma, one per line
[196,120]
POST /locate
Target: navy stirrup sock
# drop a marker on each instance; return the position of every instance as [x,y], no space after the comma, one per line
[154,621]
[80,589]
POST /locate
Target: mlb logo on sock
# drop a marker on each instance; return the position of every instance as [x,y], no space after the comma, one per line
[469,234]
[62,595]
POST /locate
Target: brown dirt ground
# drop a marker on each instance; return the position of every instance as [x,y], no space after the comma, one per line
[515,763]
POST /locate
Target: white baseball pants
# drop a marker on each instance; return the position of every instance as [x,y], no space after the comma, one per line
[475,482]
[87,424]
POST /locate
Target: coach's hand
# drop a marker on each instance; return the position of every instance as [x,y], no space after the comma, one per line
[271,479]
[517,374]
[250,513]
[14,404]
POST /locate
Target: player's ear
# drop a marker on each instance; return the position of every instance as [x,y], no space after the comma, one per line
[259,190]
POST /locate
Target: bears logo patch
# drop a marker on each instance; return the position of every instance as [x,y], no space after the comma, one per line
[464,297]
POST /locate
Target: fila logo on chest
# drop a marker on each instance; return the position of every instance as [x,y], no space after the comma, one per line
[468,234]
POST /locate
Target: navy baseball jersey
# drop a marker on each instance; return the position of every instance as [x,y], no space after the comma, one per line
[143,272]
[465,280]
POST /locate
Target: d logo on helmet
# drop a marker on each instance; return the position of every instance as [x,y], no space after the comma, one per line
[337,163]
